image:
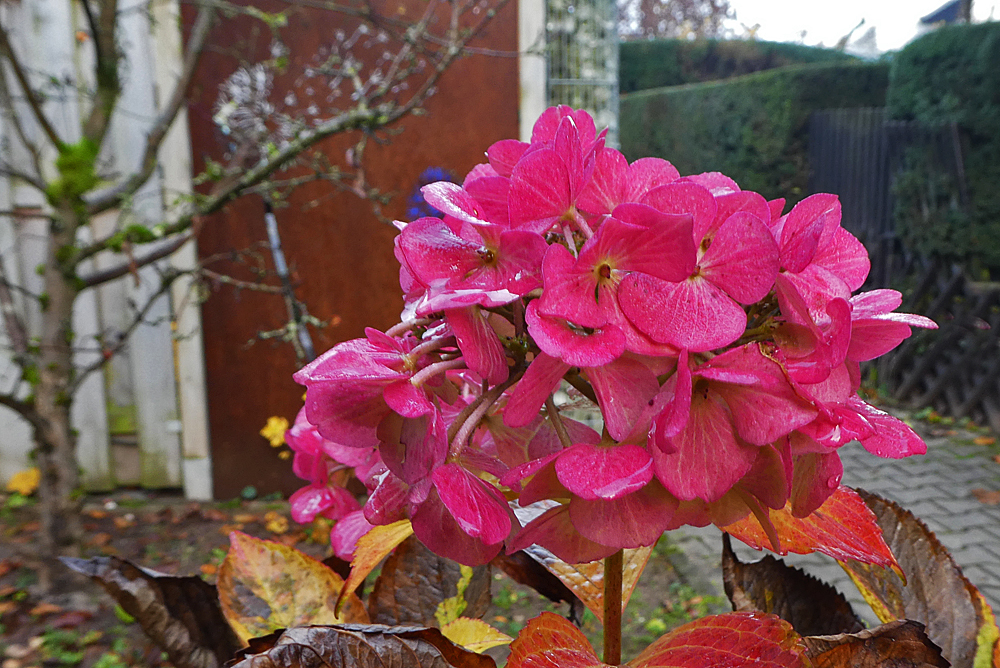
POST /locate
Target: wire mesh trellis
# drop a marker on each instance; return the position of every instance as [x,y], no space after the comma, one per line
[582,56]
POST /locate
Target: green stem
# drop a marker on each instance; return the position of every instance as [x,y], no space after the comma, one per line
[613,608]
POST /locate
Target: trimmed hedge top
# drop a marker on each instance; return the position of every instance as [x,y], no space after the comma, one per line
[646,64]
[753,128]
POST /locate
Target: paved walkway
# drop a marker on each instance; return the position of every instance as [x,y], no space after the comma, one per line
[936,487]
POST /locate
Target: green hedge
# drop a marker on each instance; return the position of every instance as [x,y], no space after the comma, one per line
[952,74]
[646,64]
[753,128]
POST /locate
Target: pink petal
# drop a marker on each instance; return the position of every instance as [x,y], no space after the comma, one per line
[312,500]
[893,438]
[346,532]
[815,478]
[478,507]
[572,345]
[604,472]
[802,227]
[452,200]
[572,291]
[767,409]
[706,458]
[554,531]
[693,314]
[872,338]
[547,125]
[439,530]
[716,182]
[407,400]
[845,257]
[742,259]
[744,201]
[676,392]
[685,197]
[479,343]
[775,206]
[604,191]
[631,521]
[769,480]
[645,174]
[434,252]
[504,154]
[540,191]
[539,381]
[650,241]
[875,302]
[387,503]
[491,194]
[625,389]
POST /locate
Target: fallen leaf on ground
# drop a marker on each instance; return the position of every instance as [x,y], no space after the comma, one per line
[996,458]
[986,497]
[44,609]
[24,482]
[984,440]
[245,518]
[96,514]
[213,514]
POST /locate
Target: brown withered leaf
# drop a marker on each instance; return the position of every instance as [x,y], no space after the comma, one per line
[986,497]
[935,593]
[364,646]
[586,581]
[523,569]
[811,606]
[180,614]
[900,644]
[414,581]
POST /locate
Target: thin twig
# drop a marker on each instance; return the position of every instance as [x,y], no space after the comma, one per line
[29,94]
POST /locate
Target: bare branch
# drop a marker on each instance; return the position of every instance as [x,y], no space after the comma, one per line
[166,249]
[31,179]
[29,94]
[106,68]
[237,283]
[15,121]
[107,353]
[12,321]
[112,197]
[363,117]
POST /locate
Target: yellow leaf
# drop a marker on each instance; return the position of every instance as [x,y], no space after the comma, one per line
[449,609]
[274,430]
[265,586]
[984,440]
[24,482]
[372,548]
[474,634]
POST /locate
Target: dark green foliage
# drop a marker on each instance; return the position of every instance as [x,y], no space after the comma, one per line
[753,129]
[952,75]
[646,64]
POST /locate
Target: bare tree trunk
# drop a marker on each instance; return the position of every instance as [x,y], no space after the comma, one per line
[59,506]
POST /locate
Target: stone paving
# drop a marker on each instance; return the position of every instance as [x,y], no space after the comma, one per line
[936,487]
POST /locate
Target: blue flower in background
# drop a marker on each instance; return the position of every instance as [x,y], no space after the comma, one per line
[416,207]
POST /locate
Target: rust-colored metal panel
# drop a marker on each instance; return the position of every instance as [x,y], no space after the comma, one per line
[340,253]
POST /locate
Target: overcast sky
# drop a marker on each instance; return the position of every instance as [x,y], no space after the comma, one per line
[825,22]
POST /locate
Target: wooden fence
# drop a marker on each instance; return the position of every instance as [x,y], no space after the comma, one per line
[858,153]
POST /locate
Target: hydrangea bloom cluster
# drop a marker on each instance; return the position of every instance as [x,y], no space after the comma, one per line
[718,336]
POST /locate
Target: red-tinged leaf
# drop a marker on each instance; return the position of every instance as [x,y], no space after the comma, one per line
[550,641]
[734,640]
[842,528]
[936,593]
[362,646]
[893,645]
[180,614]
[811,606]
[371,549]
[414,581]
[266,586]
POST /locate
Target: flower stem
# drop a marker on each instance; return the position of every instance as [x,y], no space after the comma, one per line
[613,608]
